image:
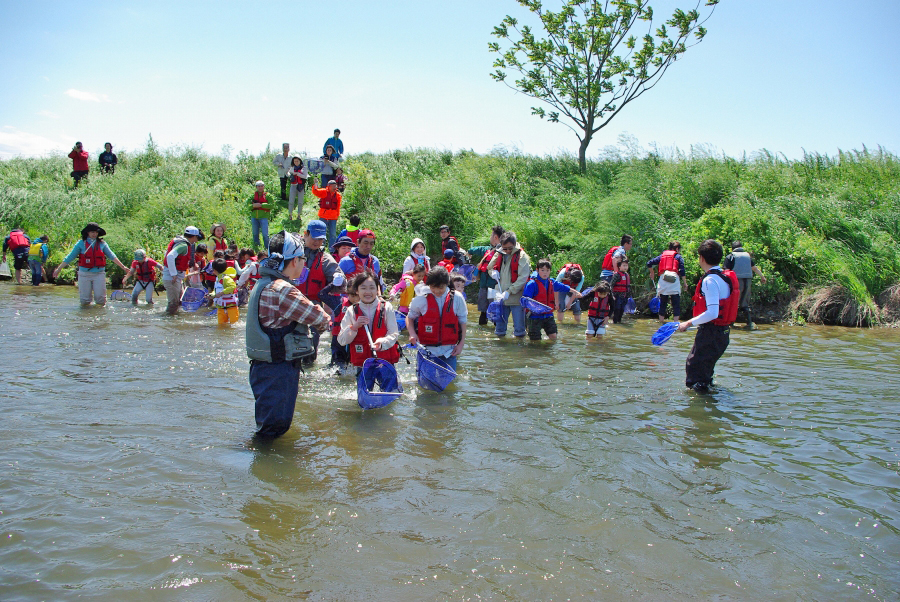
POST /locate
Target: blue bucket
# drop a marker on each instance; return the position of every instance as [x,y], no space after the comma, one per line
[379,374]
[654,305]
[401,320]
[630,306]
[495,312]
[433,372]
[192,299]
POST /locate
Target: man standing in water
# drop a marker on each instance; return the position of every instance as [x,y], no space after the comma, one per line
[322,268]
[715,308]
[743,265]
[179,257]
[278,322]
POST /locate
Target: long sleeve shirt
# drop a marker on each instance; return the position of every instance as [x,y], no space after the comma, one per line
[282,163]
[281,303]
[79,160]
[336,143]
[331,214]
[83,245]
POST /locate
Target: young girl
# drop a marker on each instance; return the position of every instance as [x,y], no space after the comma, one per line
[196,276]
[458,283]
[297,174]
[217,241]
[621,290]
[225,297]
[406,288]
[417,256]
[598,310]
[340,179]
[375,314]
[144,271]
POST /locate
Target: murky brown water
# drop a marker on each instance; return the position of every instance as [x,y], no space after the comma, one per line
[551,471]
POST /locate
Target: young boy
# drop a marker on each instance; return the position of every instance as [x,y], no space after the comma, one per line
[144,271]
[447,262]
[621,290]
[458,283]
[352,230]
[195,277]
[225,297]
[543,290]
[715,309]
[442,315]
[598,310]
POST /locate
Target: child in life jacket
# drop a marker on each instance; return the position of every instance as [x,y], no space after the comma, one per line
[351,231]
[543,290]
[340,354]
[598,310]
[437,320]
[225,296]
[250,274]
[217,241]
[340,179]
[621,290]
[196,276]
[448,263]
[458,283]
[406,288]
[375,314]
[144,271]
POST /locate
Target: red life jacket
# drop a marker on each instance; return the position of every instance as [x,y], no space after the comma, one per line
[439,327]
[622,283]
[220,244]
[354,235]
[360,350]
[182,262]
[568,268]
[363,264]
[445,243]
[92,257]
[339,317]
[513,266]
[255,276]
[330,202]
[483,264]
[262,199]
[607,260]
[599,308]
[667,262]
[545,294]
[728,307]
[144,272]
[315,280]
[18,239]
[416,261]
[447,264]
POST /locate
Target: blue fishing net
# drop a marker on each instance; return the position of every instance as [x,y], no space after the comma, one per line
[192,298]
[654,305]
[664,333]
[630,306]
[379,374]
[467,270]
[119,295]
[534,306]
[433,372]
[495,312]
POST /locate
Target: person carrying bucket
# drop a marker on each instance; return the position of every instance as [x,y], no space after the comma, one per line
[277,331]
[485,282]
[91,252]
[442,315]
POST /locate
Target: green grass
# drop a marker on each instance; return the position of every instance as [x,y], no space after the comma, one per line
[816,223]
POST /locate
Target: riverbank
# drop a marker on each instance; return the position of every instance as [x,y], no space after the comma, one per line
[823,229]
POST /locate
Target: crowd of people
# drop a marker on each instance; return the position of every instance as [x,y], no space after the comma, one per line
[297,286]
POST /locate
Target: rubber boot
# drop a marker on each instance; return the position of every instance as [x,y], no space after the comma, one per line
[482,319]
[749,320]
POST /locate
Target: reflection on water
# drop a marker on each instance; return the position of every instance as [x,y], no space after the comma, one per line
[567,470]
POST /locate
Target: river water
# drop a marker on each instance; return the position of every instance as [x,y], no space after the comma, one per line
[574,470]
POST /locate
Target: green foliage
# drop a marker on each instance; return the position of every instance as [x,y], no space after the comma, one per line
[827,223]
[595,59]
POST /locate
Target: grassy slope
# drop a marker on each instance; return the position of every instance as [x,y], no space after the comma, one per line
[820,224]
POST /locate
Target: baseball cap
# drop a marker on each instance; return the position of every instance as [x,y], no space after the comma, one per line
[193,231]
[316,228]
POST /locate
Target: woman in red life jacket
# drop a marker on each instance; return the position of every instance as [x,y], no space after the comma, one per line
[80,167]
[377,315]
[715,309]
[449,242]
[91,252]
[671,279]
[441,316]
[613,257]
[260,206]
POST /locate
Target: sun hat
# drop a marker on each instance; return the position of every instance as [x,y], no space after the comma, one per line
[92,227]
[343,241]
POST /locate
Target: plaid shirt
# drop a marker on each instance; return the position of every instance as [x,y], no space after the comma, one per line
[282,303]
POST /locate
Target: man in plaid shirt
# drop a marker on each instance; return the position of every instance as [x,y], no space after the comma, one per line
[275,310]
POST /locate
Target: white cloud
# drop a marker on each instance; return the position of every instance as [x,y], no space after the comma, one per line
[89,96]
[49,114]
[16,143]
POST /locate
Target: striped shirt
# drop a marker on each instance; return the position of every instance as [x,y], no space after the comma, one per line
[281,303]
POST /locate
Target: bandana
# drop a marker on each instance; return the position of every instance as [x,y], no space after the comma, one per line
[293,247]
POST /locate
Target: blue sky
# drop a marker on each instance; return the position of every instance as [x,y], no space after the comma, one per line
[782,75]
